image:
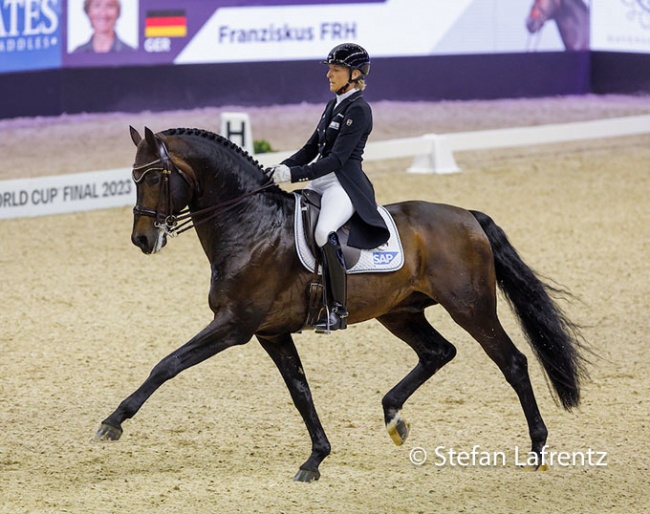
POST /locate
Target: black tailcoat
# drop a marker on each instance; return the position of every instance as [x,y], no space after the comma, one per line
[338,142]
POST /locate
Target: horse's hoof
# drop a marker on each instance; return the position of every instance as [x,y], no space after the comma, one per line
[108,433]
[541,467]
[398,429]
[306,476]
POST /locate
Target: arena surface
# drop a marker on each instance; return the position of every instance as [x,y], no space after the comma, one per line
[85,316]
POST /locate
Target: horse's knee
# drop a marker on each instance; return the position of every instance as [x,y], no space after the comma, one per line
[165,370]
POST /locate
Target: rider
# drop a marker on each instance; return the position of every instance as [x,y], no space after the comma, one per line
[337,144]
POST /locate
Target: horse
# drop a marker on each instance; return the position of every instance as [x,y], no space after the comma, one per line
[570,16]
[454,258]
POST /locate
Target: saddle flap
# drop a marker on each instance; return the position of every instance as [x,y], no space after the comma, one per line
[388,257]
[310,204]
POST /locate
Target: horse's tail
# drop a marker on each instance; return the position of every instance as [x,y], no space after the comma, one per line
[555,339]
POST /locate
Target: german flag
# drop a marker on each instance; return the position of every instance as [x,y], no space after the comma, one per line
[165,24]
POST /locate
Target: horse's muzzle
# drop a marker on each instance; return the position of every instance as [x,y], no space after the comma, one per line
[151,243]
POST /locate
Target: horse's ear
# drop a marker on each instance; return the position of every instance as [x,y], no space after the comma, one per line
[156,143]
[135,136]
[150,138]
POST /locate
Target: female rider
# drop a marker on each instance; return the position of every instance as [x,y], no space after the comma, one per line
[331,160]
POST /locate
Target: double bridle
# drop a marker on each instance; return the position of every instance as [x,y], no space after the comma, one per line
[164,217]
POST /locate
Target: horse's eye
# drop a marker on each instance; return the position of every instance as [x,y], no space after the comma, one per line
[153,179]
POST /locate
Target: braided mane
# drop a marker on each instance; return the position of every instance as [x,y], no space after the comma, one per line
[277,193]
[217,139]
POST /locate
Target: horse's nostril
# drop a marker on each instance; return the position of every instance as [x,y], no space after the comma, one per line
[141,242]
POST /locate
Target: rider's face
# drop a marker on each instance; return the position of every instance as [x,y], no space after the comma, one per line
[338,77]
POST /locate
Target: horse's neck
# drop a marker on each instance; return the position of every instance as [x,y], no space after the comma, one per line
[238,230]
[219,185]
[572,19]
[244,235]
[238,213]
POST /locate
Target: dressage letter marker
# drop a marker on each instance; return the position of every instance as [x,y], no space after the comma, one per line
[236,127]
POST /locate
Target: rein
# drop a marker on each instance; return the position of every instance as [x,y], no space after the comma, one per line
[172,228]
[175,224]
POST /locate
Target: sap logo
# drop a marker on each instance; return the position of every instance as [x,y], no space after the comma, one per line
[383,258]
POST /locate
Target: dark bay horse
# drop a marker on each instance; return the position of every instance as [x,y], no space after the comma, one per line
[453,258]
[570,16]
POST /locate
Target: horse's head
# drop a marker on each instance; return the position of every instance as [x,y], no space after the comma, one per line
[165,184]
[540,12]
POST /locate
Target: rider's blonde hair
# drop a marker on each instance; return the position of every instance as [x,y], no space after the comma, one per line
[360,83]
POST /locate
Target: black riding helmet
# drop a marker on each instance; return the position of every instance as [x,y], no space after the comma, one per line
[353,57]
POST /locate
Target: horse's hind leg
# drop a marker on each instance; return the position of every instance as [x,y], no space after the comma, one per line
[485,327]
[283,352]
[433,351]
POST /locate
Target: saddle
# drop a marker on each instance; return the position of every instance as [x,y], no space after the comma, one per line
[310,209]
[388,257]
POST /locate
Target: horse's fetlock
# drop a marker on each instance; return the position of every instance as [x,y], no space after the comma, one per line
[390,405]
[539,436]
[324,450]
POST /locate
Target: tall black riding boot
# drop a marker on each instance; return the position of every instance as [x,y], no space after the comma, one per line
[335,278]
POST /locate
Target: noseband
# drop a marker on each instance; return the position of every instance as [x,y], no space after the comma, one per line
[164,217]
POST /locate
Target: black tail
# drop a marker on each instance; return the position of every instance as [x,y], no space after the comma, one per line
[555,339]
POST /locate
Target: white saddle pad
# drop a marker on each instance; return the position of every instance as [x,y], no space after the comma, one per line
[387,257]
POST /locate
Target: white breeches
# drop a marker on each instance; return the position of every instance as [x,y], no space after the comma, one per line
[336,207]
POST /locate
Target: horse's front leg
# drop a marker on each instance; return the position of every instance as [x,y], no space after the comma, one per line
[283,352]
[211,340]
